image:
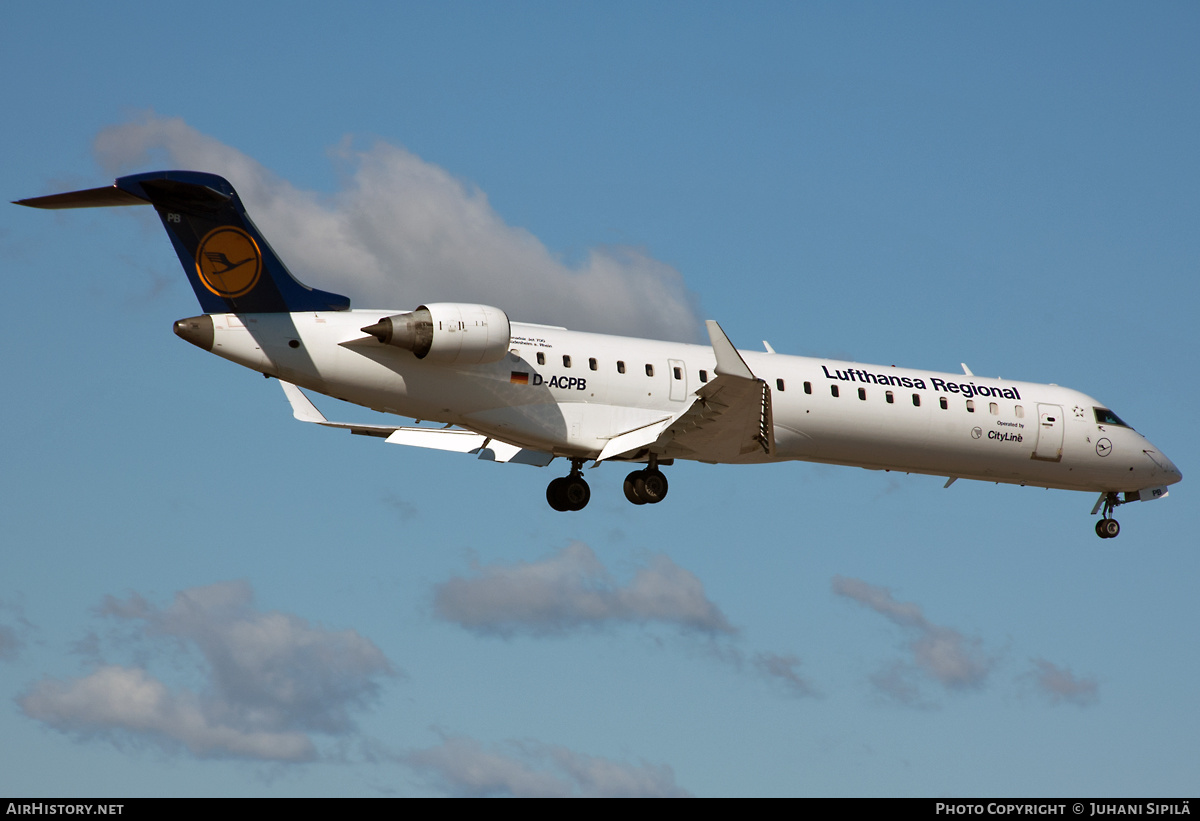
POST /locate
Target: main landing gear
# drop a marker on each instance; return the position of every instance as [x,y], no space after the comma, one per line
[647,486]
[1107,528]
[570,492]
[642,487]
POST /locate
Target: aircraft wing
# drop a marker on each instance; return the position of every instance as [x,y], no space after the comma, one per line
[458,440]
[728,419]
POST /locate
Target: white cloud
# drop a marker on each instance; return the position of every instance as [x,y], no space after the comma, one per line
[1060,684]
[572,589]
[270,679]
[462,767]
[947,656]
[128,699]
[402,231]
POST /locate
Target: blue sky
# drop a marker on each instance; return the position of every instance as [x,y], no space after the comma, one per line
[204,597]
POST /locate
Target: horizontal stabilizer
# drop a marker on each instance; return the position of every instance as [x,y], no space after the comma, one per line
[230,265]
[107,197]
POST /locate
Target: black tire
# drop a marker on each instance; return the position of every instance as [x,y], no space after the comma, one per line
[575,492]
[651,485]
[1100,529]
[631,488]
[556,496]
[1111,528]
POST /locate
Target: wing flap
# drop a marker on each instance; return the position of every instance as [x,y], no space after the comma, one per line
[453,439]
[634,439]
[457,440]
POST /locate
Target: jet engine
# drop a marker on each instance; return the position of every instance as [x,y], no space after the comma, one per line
[449,333]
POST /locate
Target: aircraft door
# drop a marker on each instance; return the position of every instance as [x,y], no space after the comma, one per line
[678,376]
[1050,433]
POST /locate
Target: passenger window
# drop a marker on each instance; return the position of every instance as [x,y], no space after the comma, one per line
[592,363]
[942,401]
[862,393]
[970,406]
[916,400]
[808,387]
[649,369]
[703,376]
[993,409]
[620,366]
[566,361]
[541,358]
[1019,411]
[833,390]
[779,384]
[890,398]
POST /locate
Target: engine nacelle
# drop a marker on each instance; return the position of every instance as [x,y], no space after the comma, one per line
[449,333]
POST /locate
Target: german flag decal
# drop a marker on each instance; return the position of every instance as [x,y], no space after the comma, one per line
[519,378]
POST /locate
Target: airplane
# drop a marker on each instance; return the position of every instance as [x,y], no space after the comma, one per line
[518,392]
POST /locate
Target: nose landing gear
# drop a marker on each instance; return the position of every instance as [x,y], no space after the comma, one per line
[570,492]
[1108,528]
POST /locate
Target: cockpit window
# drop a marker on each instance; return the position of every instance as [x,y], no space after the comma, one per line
[1106,417]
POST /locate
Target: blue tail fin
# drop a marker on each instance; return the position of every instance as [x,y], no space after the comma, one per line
[230,265]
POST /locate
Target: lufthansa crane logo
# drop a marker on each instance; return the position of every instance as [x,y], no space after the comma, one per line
[228,261]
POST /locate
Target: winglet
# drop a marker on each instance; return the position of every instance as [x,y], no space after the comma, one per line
[302,407]
[729,361]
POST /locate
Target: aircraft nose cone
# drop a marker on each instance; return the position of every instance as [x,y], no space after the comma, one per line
[1175,473]
[1164,465]
[196,329]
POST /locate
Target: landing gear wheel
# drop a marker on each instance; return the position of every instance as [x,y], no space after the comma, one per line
[631,488]
[569,492]
[575,492]
[555,495]
[646,487]
[1107,527]
[651,485]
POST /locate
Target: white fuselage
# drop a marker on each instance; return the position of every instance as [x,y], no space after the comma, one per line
[569,393]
